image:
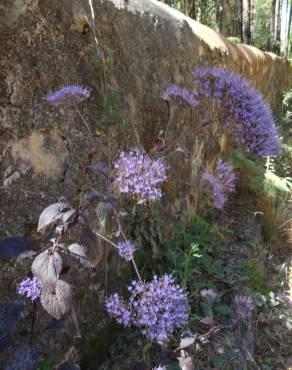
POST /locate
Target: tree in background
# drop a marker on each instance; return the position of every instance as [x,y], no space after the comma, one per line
[246,20]
[287,34]
[265,24]
[261,24]
[276,25]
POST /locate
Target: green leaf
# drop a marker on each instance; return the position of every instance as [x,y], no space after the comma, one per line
[274,184]
[216,360]
[224,309]
[260,299]
[109,61]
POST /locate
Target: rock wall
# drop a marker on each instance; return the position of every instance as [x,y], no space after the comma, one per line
[48,43]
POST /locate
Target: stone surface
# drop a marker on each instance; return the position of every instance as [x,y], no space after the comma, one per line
[24,358]
[48,43]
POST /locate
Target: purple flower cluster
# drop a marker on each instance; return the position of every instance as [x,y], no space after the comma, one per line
[117,308]
[126,250]
[157,307]
[285,298]
[72,94]
[241,108]
[31,287]
[222,182]
[139,175]
[244,306]
[181,94]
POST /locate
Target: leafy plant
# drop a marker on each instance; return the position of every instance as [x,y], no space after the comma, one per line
[287,105]
[262,179]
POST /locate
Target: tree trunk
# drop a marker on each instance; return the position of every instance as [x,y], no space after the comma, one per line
[276,26]
[278,18]
[226,19]
[246,21]
[273,24]
[237,19]
[286,51]
[219,17]
[189,8]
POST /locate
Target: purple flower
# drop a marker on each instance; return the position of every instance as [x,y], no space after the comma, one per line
[220,350]
[241,108]
[72,94]
[140,176]
[157,307]
[225,174]
[181,94]
[116,307]
[208,293]
[222,182]
[244,306]
[286,299]
[31,287]
[126,250]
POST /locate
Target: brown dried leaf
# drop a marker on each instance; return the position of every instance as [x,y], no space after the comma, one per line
[47,267]
[57,304]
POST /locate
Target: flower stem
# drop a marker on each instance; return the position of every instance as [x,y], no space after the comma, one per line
[105,239]
[83,120]
[137,271]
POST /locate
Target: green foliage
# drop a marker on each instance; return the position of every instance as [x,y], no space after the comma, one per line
[234,39]
[45,363]
[174,366]
[262,179]
[256,276]
[261,24]
[110,97]
[287,107]
[274,185]
[224,309]
[204,11]
[184,262]
[220,361]
[174,3]
[145,226]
